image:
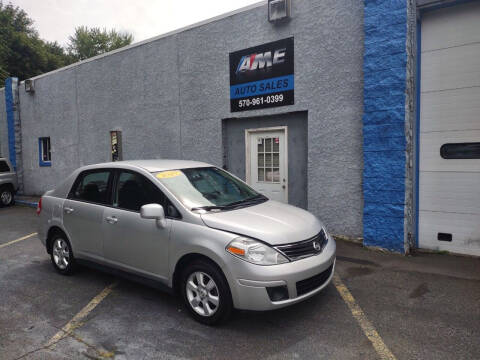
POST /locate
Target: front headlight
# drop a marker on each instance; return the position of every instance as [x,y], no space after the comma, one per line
[255,252]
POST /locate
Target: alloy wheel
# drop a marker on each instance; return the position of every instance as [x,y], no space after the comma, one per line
[202,293]
[6,197]
[61,254]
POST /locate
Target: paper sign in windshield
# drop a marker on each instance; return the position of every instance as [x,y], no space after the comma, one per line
[168,174]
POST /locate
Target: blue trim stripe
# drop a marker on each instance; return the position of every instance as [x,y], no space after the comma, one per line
[9,103]
[417,132]
[26,203]
[262,87]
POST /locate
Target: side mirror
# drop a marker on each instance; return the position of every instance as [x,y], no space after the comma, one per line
[155,212]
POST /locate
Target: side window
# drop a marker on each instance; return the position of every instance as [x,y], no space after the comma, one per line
[134,190]
[4,167]
[92,186]
[44,151]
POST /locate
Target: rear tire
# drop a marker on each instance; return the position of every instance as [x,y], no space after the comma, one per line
[206,293]
[61,254]
[6,196]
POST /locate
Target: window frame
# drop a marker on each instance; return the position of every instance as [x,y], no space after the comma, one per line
[113,190]
[109,200]
[41,162]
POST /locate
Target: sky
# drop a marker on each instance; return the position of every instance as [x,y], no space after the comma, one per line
[56,20]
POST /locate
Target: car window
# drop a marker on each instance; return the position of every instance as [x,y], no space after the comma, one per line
[206,186]
[4,166]
[92,187]
[134,190]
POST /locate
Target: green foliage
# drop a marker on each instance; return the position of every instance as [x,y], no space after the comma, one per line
[86,43]
[22,52]
[24,55]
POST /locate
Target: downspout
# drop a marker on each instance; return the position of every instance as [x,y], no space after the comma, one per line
[14,129]
[410,118]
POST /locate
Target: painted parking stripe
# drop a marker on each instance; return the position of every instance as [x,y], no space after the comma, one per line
[17,240]
[367,327]
[77,319]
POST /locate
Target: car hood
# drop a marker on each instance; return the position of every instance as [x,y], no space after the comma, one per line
[273,222]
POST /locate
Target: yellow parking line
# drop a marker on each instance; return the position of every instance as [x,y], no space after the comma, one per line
[76,320]
[365,324]
[15,241]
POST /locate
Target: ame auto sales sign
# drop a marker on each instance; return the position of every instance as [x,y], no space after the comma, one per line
[262,76]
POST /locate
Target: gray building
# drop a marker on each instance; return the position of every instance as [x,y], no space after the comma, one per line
[337,109]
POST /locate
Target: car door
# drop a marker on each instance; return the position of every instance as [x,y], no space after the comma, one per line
[131,242]
[83,211]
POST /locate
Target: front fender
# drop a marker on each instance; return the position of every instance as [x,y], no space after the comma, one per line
[189,239]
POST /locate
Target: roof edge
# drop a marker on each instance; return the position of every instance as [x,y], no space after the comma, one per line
[155,38]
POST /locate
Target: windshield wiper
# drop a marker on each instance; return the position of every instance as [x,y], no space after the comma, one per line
[208,208]
[251,200]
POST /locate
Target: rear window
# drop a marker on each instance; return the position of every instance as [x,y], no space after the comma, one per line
[4,166]
[92,187]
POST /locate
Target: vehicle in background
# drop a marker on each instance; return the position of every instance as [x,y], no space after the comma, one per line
[8,183]
[191,227]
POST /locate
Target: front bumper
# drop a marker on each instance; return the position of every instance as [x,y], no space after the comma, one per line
[249,282]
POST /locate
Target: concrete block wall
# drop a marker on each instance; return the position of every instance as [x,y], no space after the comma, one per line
[384,145]
[169,96]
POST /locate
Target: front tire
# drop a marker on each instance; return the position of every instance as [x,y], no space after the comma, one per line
[61,254]
[206,293]
[6,196]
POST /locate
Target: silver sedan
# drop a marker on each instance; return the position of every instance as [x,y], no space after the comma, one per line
[190,228]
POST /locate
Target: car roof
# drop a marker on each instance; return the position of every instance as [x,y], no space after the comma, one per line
[152,165]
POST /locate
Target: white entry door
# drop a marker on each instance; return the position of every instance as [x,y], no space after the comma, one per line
[267,162]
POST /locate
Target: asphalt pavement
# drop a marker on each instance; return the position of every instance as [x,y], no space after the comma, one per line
[425,306]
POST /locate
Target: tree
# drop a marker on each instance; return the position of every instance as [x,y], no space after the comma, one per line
[22,53]
[86,43]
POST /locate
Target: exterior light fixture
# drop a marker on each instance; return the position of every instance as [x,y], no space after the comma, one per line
[29,86]
[279,10]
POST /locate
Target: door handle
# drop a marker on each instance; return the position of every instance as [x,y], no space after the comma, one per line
[111,219]
[68,210]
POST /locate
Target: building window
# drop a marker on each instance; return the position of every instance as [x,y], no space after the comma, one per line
[268,153]
[116,145]
[44,151]
[460,151]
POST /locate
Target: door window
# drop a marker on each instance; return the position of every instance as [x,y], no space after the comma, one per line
[268,152]
[134,190]
[460,151]
[92,186]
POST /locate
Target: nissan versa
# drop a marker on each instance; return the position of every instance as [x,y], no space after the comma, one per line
[191,227]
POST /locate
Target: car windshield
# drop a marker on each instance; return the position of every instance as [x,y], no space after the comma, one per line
[208,188]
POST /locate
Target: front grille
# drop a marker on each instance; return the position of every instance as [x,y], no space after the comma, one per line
[310,284]
[306,248]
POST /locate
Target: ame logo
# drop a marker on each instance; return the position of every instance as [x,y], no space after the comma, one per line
[261,60]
